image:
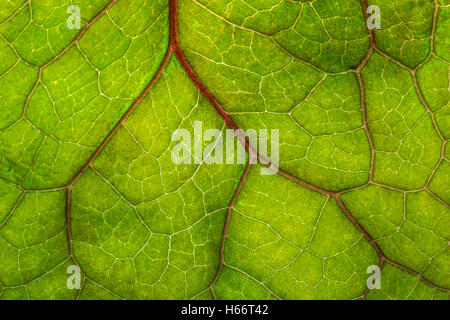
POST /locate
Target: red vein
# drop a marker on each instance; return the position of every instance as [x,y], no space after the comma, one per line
[178,51]
[109,137]
[373,47]
[175,45]
[227,224]
[81,33]
[359,227]
[105,141]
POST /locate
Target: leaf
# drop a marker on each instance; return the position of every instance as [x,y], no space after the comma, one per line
[86,171]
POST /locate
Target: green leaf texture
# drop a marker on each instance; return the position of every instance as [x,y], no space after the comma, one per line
[86,176]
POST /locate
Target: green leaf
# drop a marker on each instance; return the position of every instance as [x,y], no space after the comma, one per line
[92,205]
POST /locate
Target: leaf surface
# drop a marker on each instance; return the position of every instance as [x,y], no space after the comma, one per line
[86,171]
